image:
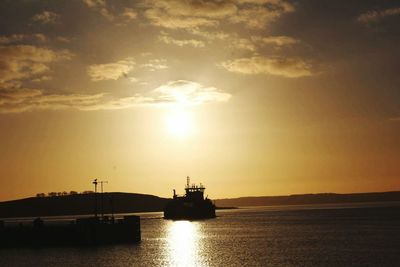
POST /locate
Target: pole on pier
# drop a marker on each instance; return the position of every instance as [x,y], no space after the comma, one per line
[95,197]
[102,200]
[112,209]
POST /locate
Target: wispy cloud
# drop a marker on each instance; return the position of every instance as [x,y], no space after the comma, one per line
[26,61]
[159,17]
[155,64]
[63,39]
[177,14]
[209,9]
[129,13]
[280,66]
[188,93]
[19,38]
[254,43]
[42,79]
[279,41]
[120,18]
[17,100]
[376,15]
[244,44]
[26,99]
[207,34]
[285,5]
[101,7]
[260,13]
[180,42]
[46,17]
[110,71]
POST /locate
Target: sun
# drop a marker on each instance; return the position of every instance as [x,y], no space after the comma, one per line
[179,123]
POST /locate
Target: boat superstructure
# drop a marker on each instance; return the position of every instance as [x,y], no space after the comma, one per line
[192,205]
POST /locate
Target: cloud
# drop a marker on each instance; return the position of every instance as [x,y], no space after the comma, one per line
[170,40]
[243,43]
[17,38]
[129,13]
[110,71]
[95,3]
[26,61]
[63,39]
[376,15]
[101,7]
[12,38]
[42,78]
[280,66]
[175,14]
[255,42]
[46,17]
[257,16]
[210,35]
[195,8]
[121,18]
[146,54]
[188,93]
[6,85]
[39,36]
[155,64]
[17,100]
[17,95]
[26,99]
[280,3]
[276,40]
[159,17]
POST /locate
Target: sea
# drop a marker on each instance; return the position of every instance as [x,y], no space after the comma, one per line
[364,234]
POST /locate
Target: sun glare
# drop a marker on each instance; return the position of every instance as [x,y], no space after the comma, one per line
[184,244]
[179,123]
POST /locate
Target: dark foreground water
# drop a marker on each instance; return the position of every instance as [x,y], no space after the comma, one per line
[356,235]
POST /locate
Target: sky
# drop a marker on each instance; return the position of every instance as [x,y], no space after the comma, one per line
[248,97]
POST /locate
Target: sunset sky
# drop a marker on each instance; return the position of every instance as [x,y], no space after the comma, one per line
[249,97]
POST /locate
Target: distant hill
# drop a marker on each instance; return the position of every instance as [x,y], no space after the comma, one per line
[324,198]
[80,204]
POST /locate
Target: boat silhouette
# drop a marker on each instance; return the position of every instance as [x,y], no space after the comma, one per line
[191,206]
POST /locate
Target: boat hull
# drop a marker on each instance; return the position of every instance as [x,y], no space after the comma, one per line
[180,210]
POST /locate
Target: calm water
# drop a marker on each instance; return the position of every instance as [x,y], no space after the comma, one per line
[359,235]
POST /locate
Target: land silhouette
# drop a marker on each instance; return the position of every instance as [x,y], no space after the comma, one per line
[81,204]
[84,204]
[304,199]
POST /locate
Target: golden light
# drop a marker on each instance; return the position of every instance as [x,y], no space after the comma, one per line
[179,122]
[183,243]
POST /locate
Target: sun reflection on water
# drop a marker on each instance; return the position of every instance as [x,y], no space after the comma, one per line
[184,246]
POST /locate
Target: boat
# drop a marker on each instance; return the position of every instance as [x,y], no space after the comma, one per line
[191,206]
